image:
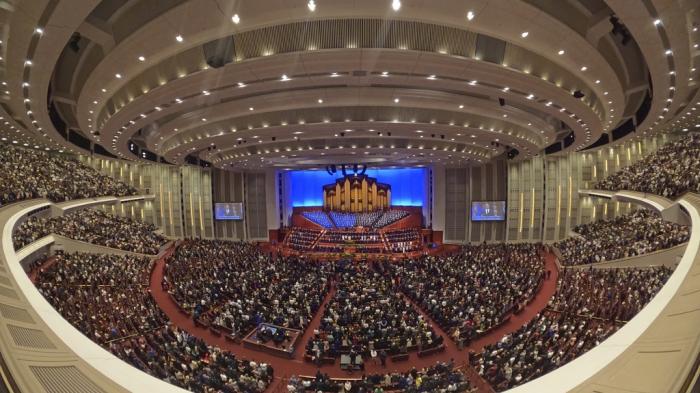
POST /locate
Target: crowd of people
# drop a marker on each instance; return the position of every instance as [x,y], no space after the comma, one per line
[471,292]
[588,307]
[368,313]
[28,173]
[107,299]
[610,294]
[235,286]
[92,226]
[302,239]
[443,377]
[637,233]
[335,220]
[670,171]
[404,240]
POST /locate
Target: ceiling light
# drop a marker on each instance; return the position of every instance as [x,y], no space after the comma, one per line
[179,101]
[241,84]
[473,83]
[597,81]
[204,119]
[432,77]
[179,38]
[312,5]
[104,90]
[206,92]
[28,63]
[251,109]
[561,52]
[334,74]
[320,101]
[141,58]
[236,19]
[118,76]
[657,22]
[461,107]
[396,5]
[584,68]
[668,52]
[385,73]
[396,100]
[39,31]
[470,15]
[284,78]
[524,34]
[506,88]
[531,96]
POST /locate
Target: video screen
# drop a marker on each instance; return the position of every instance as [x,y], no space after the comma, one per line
[489,211]
[228,211]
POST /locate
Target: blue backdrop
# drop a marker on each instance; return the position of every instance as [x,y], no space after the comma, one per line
[407,185]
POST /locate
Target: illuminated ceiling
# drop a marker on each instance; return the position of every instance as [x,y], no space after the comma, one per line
[249,85]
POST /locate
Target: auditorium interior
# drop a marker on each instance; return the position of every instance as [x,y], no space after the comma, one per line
[366,196]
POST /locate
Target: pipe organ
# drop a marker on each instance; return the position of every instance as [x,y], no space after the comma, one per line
[356,193]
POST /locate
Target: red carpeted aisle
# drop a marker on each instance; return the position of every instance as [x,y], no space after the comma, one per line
[284,368]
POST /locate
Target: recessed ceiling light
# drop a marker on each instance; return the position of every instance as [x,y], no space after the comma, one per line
[141,58]
[320,101]
[241,84]
[206,92]
[470,15]
[118,76]
[657,22]
[461,107]
[312,5]
[524,34]
[473,83]
[236,19]
[28,63]
[584,68]
[39,31]
[385,73]
[284,78]
[561,52]
[179,38]
[531,96]
[396,5]
[334,74]
[432,77]
[506,88]
[396,100]
[251,109]
[668,52]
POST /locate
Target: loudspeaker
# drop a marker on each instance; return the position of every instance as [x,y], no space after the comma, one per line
[502,101]
[219,52]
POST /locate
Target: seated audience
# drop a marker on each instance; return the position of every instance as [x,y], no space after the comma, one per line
[669,172]
[368,313]
[470,293]
[611,294]
[234,286]
[92,226]
[404,240]
[28,173]
[587,308]
[440,378]
[638,233]
[107,299]
[302,239]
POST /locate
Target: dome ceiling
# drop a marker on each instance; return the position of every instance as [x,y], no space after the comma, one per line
[292,83]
